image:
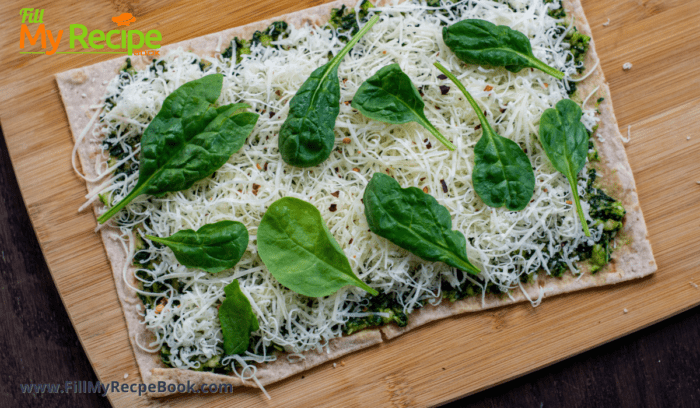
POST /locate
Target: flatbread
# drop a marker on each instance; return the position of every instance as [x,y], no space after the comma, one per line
[80,88]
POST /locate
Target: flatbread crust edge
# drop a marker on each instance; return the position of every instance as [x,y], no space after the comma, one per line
[82,87]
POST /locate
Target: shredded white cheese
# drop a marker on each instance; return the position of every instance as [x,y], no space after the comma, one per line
[498,239]
[629,135]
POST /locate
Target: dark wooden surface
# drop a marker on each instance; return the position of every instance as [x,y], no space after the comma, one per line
[656,367]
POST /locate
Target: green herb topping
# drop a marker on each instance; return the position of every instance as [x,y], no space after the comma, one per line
[306,138]
[415,221]
[188,140]
[212,248]
[502,173]
[237,320]
[481,42]
[300,252]
[389,96]
[565,141]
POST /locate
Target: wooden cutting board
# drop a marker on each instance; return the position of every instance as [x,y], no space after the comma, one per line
[659,97]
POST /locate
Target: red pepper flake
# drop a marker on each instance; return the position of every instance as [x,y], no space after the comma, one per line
[503,110]
[265,167]
[422,178]
[356,169]
[255,188]
[442,76]
[258,166]
[350,242]
[437,107]
[336,194]
[488,88]
[388,171]
[477,127]
[263,111]
[347,102]
[347,140]
[333,207]
[444,89]
[425,189]
[546,85]
[544,189]
[428,145]
[278,93]
[272,114]
[383,52]
[444,186]
[569,202]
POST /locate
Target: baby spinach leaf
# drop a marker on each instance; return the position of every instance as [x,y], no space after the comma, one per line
[565,140]
[502,171]
[306,137]
[212,248]
[188,140]
[389,96]
[415,221]
[237,320]
[481,42]
[300,252]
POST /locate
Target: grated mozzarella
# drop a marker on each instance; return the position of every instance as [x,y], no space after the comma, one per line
[408,34]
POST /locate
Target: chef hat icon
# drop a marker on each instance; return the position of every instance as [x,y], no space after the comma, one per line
[124,20]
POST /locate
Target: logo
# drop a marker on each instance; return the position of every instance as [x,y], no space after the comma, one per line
[124,20]
[83,41]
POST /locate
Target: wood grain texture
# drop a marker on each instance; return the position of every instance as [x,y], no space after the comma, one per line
[35,327]
[658,97]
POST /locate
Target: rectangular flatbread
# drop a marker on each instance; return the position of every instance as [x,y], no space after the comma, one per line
[80,88]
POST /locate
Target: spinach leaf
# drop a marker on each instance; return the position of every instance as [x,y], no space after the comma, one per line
[237,320]
[212,248]
[565,140]
[481,42]
[389,96]
[188,140]
[414,221]
[502,171]
[306,137]
[300,252]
